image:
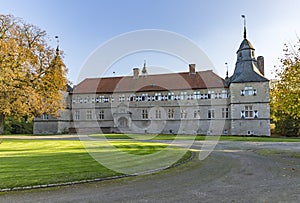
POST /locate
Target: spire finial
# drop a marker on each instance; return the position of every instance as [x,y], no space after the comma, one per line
[144,71]
[57,41]
[245,32]
[226,64]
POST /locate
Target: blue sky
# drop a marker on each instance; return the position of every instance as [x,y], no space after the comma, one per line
[215,26]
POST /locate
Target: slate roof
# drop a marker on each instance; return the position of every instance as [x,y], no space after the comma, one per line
[159,82]
[246,69]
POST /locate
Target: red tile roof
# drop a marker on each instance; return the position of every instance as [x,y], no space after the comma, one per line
[171,81]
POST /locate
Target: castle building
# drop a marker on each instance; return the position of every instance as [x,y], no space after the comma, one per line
[182,103]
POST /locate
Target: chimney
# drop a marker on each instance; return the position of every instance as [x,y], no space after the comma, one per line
[261,64]
[136,72]
[192,68]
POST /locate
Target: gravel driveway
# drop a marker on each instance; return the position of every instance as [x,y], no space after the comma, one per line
[234,172]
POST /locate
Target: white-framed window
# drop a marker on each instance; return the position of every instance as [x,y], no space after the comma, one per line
[171,96]
[211,94]
[122,98]
[197,95]
[144,113]
[157,96]
[183,114]
[171,113]
[211,113]
[197,114]
[225,112]
[224,94]
[158,114]
[77,115]
[248,91]
[89,115]
[101,115]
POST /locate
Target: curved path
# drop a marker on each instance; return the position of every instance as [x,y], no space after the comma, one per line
[232,173]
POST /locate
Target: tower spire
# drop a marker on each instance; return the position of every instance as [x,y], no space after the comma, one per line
[144,71]
[245,31]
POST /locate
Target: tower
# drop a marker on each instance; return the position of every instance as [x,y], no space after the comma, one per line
[249,89]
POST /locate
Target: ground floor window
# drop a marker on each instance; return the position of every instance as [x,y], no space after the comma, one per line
[89,115]
[171,114]
[101,115]
[225,113]
[211,113]
[183,114]
[144,113]
[158,114]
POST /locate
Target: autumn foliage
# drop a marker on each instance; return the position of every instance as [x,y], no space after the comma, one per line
[285,93]
[33,75]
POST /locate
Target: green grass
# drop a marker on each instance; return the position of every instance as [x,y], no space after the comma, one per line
[35,162]
[271,152]
[198,137]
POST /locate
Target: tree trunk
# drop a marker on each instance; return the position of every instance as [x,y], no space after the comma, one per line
[2,123]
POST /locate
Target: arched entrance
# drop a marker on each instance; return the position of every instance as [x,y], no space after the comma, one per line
[123,122]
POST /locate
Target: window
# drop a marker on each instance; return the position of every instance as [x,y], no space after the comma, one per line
[171,114]
[248,112]
[45,116]
[101,115]
[224,94]
[225,113]
[121,98]
[183,114]
[89,115]
[248,91]
[196,95]
[157,96]
[158,114]
[170,95]
[144,114]
[211,95]
[211,113]
[77,115]
[197,113]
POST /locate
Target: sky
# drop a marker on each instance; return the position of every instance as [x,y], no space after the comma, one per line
[215,26]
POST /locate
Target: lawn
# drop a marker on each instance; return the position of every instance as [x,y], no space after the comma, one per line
[198,137]
[36,162]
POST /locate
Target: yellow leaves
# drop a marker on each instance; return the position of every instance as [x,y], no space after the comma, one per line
[31,75]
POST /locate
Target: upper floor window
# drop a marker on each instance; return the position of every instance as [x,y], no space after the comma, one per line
[121,98]
[45,116]
[248,91]
[224,94]
[197,95]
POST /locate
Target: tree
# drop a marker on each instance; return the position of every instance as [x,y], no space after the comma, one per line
[33,75]
[285,93]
